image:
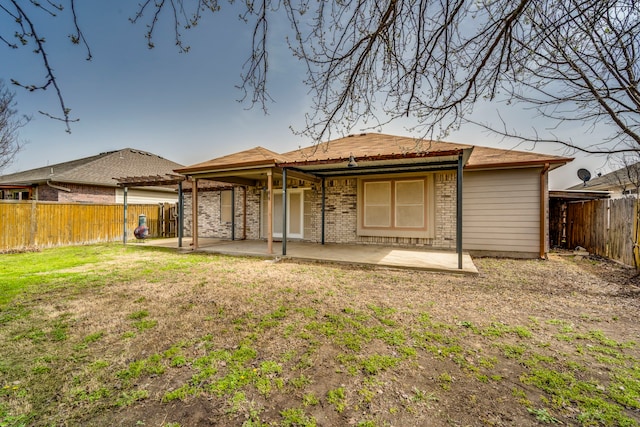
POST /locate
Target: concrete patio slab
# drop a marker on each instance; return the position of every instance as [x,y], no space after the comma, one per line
[381,256]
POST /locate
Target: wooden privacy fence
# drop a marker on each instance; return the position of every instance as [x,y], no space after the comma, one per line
[28,224]
[607,228]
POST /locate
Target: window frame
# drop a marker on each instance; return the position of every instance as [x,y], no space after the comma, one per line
[226,216]
[427,230]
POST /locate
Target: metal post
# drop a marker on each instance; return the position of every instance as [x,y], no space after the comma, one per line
[194,214]
[124,232]
[284,211]
[180,214]
[459,211]
[269,211]
[323,209]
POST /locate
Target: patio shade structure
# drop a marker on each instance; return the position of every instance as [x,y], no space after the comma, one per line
[168,180]
[352,166]
[258,167]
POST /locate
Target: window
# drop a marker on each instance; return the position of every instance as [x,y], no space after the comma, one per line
[409,210]
[377,204]
[225,206]
[396,207]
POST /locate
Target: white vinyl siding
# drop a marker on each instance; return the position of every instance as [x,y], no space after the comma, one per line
[501,211]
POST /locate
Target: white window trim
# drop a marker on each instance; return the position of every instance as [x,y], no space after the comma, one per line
[289,192]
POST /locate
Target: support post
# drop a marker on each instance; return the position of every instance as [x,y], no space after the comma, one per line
[269,212]
[284,211]
[180,214]
[194,214]
[459,211]
[124,230]
[323,210]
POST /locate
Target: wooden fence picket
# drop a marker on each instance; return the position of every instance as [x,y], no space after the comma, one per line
[29,224]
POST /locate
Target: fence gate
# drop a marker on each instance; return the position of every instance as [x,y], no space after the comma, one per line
[608,228]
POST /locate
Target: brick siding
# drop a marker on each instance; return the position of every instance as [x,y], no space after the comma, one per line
[79,193]
[340,214]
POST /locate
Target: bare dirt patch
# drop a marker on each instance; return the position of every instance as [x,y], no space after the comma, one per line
[199,340]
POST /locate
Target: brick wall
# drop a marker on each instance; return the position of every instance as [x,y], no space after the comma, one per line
[340,211]
[445,187]
[47,194]
[340,214]
[78,193]
[209,224]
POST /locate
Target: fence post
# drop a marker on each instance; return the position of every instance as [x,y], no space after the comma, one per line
[34,224]
[124,231]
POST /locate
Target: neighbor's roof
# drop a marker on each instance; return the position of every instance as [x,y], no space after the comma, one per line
[99,170]
[620,178]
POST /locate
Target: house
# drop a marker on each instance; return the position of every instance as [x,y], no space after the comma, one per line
[92,179]
[619,183]
[378,189]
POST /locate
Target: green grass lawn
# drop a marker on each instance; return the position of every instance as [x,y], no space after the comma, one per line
[111,335]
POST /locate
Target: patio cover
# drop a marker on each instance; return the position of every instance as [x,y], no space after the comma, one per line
[368,154]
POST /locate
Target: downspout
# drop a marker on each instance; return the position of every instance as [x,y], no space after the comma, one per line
[58,187]
[543,204]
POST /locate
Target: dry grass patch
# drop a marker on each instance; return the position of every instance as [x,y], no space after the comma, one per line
[157,338]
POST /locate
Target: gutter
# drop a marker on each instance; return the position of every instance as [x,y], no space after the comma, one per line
[58,187]
[543,205]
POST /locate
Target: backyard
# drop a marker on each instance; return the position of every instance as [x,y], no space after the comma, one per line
[140,336]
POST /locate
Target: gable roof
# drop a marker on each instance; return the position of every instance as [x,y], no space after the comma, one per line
[253,157]
[490,158]
[628,176]
[99,170]
[375,147]
[372,145]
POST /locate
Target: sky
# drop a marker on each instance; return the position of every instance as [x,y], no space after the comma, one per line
[184,106]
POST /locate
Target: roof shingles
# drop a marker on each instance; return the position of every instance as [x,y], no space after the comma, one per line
[97,170]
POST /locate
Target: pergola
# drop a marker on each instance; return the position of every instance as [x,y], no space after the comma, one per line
[168,180]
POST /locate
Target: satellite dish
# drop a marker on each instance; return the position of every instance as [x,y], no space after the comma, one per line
[584,175]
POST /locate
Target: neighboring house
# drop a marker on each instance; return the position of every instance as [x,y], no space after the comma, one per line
[92,179]
[623,182]
[381,190]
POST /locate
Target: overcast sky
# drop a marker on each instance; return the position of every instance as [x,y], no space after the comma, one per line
[184,106]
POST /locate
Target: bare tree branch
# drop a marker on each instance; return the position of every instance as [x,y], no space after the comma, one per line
[370,62]
[10,123]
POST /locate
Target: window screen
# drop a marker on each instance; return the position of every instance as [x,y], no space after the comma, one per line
[225,206]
